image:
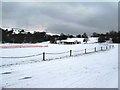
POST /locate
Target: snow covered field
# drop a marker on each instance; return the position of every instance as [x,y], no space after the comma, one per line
[94,70]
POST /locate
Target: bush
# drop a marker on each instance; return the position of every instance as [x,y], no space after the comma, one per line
[101,39]
[85,40]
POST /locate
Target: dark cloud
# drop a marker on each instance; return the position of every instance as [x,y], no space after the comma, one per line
[69,18]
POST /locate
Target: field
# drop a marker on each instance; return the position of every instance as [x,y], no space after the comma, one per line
[91,70]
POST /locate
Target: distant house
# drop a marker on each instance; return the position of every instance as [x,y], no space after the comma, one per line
[72,41]
[69,41]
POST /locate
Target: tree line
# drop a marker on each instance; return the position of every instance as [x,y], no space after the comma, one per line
[113,36]
[8,36]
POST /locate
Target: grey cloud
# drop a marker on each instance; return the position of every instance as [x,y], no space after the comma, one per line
[62,17]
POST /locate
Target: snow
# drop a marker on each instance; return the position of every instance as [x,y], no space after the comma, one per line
[90,40]
[16,31]
[94,70]
[52,34]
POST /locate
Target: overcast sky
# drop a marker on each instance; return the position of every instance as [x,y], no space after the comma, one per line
[68,18]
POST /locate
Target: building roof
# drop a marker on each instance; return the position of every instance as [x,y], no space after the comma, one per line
[90,40]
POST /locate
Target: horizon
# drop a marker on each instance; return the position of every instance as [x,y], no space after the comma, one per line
[50,33]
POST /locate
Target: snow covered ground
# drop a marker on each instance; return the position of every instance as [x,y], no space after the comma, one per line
[90,40]
[94,70]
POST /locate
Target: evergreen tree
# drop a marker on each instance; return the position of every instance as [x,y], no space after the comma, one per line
[101,38]
[84,35]
[79,36]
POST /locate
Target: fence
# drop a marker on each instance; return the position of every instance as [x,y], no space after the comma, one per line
[69,53]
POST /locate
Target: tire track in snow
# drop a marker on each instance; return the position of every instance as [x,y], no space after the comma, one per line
[52,67]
